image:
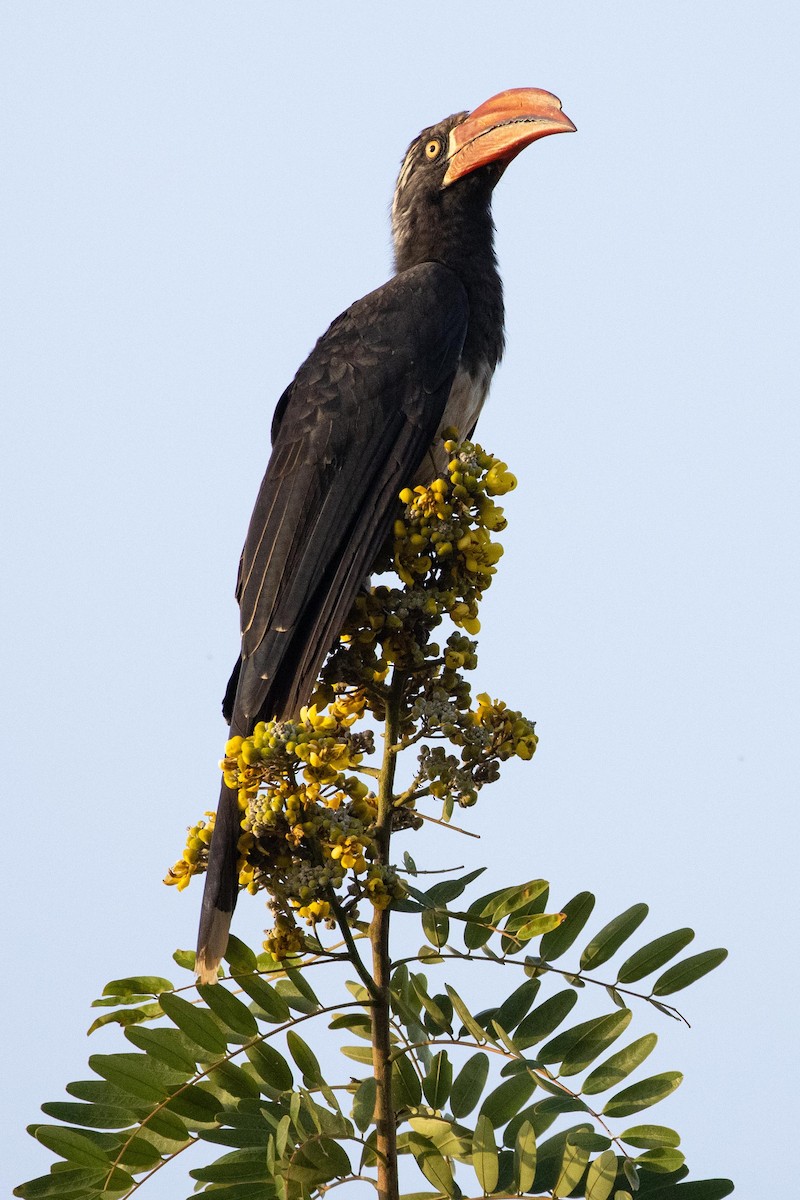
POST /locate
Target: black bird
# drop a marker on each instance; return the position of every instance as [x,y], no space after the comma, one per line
[359,422]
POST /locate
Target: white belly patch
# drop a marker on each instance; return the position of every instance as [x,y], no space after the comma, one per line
[464,404]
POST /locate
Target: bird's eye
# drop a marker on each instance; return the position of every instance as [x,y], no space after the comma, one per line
[433,149]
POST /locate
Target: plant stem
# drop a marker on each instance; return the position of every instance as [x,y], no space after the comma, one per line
[385,1122]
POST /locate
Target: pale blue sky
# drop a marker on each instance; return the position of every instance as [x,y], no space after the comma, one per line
[190,193]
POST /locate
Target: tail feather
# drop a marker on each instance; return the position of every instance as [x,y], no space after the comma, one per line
[221,887]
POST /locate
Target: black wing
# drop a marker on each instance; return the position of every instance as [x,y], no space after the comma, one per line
[348,434]
[354,427]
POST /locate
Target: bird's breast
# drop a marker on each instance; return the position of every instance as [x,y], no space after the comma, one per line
[464,404]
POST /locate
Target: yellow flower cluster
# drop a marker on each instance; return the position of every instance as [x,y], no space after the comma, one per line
[510,733]
[444,537]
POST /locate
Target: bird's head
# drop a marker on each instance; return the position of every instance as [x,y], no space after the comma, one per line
[450,170]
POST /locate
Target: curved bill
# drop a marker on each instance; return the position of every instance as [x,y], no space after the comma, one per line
[502,126]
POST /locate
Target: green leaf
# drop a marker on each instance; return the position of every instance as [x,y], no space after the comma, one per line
[546,1017]
[295,987]
[517,1005]
[525,1157]
[319,1160]
[357,1023]
[688,971]
[467,1020]
[92,1116]
[137,1075]
[234,1015]
[450,1139]
[577,912]
[601,1176]
[650,1137]
[273,1006]
[605,944]
[440,1020]
[196,1023]
[619,1065]
[167,1127]
[75,1146]
[573,1164]
[305,1058]
[578,1046]
[138,985]
[240,1166]
[364,1102]
[531,927]
[239,957]
[468,1084]
[125,1017]
[168,1046]
[359,1054]
[641,1095]
[271,1067]
[436,927]
[406,1085]
[595,1041]
[79,1183]
[696,1189]
[654,955]
[196,1103]
[507,1099]
[432,1164]
[450,889]
[484,1154]
[409,863]
[235,1081]
[663,1160]
[490,909]
[436,1084]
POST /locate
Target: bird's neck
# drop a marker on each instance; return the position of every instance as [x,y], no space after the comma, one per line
[464,242]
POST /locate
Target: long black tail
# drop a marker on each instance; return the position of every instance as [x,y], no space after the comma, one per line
[222,887]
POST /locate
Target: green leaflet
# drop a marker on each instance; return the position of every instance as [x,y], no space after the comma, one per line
[137,1075]
[468,1084]
[650,1137]
[688,971]
[239,957]
[484,1154]
[601,1175]
[605,944]
[619,1065]
[507,1099]
[642,1095]
[138,985]
[577,912]
[517,1005]
[168,1046]
[433,1166]
[437,1081]
[576,1047]
[573,1164]
[92,1116]
[662,1160]
[654,955]
[305,1058]
[230,1010]
[271,1004]
[364,1103]
[546,1017]
[271,1067]
[525,1157]
[197,1023]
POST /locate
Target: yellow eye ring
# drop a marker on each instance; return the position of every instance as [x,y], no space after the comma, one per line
[433,149]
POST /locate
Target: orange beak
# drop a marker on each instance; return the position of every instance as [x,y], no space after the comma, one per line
[501,127]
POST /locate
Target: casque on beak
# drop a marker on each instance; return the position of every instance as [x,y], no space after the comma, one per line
[501,127]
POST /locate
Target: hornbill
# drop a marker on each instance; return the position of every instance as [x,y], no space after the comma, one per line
[361,420]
